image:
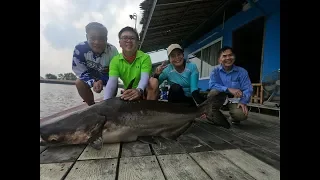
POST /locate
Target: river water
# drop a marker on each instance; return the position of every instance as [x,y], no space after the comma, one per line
[58,97]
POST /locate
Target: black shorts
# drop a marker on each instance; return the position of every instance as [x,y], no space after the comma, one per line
[176,95]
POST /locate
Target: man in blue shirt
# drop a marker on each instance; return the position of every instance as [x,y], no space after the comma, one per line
[182,76]
[91,60]
[234,80]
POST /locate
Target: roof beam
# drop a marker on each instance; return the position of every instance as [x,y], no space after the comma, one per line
[191,13]
[183,2]
[165,41]
[181,17]
[178,39]
[173,24]
[215,12]
[172,36]
[148,22]
[182,29]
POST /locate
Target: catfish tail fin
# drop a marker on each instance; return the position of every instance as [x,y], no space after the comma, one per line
[211,107]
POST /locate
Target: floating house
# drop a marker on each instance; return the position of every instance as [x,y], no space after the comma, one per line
[202,27]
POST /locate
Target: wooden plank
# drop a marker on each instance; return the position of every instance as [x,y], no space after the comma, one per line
[255,132]
[258,117]
[249,147]
[274,129]
[259,129]
[192,143]
[137,148]
[269,145]
[265,118]
[55,171]
[270,134]
[166,146]
[181,166]
[61,154]
[140,168]
[259,121]
[211,140]
[265,123]
[253,166]
[107,151]
[42,148]
[219,167]
[93,169]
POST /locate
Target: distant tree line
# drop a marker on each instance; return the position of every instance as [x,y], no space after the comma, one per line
[65,76]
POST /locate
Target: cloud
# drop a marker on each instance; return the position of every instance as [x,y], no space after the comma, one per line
[62,24]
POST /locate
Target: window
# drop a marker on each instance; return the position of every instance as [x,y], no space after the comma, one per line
[206,57]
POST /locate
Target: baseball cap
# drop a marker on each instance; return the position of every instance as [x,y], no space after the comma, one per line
[172,47]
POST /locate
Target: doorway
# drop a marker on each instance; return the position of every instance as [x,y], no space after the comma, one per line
[247,43]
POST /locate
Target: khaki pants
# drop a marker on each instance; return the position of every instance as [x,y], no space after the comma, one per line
[235,113]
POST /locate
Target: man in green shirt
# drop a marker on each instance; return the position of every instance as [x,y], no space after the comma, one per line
[128,65]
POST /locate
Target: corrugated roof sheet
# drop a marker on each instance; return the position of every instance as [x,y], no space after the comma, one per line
[182,21]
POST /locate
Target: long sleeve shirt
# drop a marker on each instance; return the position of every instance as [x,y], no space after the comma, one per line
[89,66]
[139,70]
[236,78]
[188,79]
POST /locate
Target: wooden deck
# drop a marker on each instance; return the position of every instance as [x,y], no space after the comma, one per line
[250,150]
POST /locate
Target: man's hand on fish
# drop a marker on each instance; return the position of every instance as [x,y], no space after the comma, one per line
[98,86]
[131,94]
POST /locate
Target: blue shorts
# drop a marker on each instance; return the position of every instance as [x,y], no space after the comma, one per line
[89,83]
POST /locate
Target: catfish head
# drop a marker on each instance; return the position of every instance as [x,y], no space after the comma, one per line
[77,128]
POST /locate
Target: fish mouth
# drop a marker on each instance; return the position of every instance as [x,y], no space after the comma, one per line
[42,142]
[46,143]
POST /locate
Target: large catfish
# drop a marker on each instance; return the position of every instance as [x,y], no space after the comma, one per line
[116,120]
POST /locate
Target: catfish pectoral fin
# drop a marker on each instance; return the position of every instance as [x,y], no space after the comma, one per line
[97,144]
[171,138]
[146,139]
[205,120]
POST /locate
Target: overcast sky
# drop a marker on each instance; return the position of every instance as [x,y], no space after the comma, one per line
[62,24]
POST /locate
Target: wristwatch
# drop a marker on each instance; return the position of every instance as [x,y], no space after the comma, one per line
[141,91]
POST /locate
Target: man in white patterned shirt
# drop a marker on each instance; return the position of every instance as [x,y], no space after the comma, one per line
[91,60]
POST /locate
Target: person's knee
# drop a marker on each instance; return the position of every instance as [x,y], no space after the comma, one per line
[213,92]
[153,85]
[237,114]
[81,84]
[152,90]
